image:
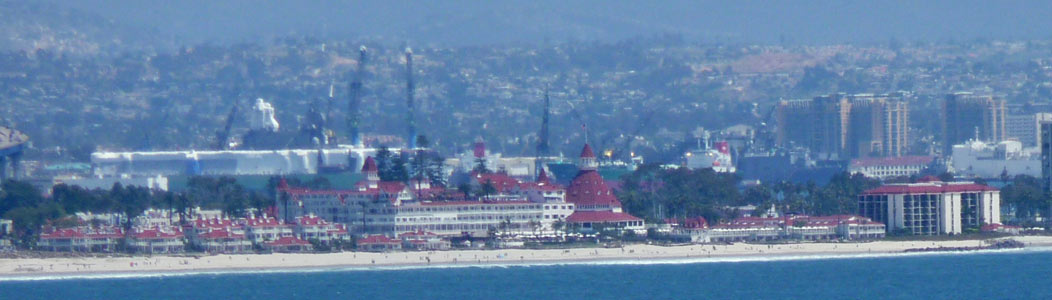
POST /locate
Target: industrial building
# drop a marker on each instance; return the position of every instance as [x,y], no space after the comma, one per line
[227,162]
[979,159]
[932,207]
[1046,154]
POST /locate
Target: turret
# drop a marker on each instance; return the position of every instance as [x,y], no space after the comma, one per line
[588,161]
[372,173]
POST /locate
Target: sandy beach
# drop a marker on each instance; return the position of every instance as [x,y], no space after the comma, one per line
[41,267]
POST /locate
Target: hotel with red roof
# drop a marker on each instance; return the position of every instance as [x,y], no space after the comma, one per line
[932,207]
[596,205]
[393,208]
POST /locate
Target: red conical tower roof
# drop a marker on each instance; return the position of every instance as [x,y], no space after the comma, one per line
[543,176]
[369,166]
[587,152]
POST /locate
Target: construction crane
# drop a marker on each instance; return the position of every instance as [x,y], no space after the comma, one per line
[766,134]
[577,115]
[223,137]
[354,93]
[642,124]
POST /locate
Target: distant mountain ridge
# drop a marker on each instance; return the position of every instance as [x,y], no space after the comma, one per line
[479,23]
[30,26]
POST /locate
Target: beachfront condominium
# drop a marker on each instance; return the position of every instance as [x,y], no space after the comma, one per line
[840,126]
[1046,154]
[932,207]
[966,116]
[1026,127]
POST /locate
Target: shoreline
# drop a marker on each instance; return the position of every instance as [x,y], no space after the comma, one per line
[22,269]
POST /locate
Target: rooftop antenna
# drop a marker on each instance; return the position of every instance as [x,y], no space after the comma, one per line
[353,117]
[409,87]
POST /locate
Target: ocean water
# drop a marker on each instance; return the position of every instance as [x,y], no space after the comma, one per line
[1012,274]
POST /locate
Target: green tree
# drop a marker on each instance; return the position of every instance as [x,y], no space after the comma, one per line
[399,170]
[435,170]
[1026,195]
[486,189]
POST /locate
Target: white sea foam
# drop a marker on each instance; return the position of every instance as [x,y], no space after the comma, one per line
[511,264]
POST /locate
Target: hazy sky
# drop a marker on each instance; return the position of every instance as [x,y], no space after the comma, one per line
[488,22]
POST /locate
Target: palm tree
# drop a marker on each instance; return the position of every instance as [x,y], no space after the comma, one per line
[558,225]
[534,225]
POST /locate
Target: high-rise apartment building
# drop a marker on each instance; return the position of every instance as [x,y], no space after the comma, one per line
[1025,127]
[1046,154]
[967,116]
[845,126]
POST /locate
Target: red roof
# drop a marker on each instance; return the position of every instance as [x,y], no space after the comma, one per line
[220,234]
[288,241]
[212,223]
[600,216]
[589,188]
[310,220]
[587,152]
[540,186]
[262,222]
[157,233]
[502,182]
[62,233]
[385,191]
[65,233]
[542,176]
[377,239]
[543,183]
[929,188]
[369,166]
[929,178]
[392,187]
[388,187]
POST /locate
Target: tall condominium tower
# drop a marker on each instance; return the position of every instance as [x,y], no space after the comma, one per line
[965,115]
[845,126]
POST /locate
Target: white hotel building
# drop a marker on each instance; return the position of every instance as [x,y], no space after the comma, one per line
[932,207]
[394,208]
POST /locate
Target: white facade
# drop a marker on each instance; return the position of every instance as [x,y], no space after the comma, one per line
[262,117]
[230,162]
[719,159]
[983,160]
[932,208]
[890,167]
